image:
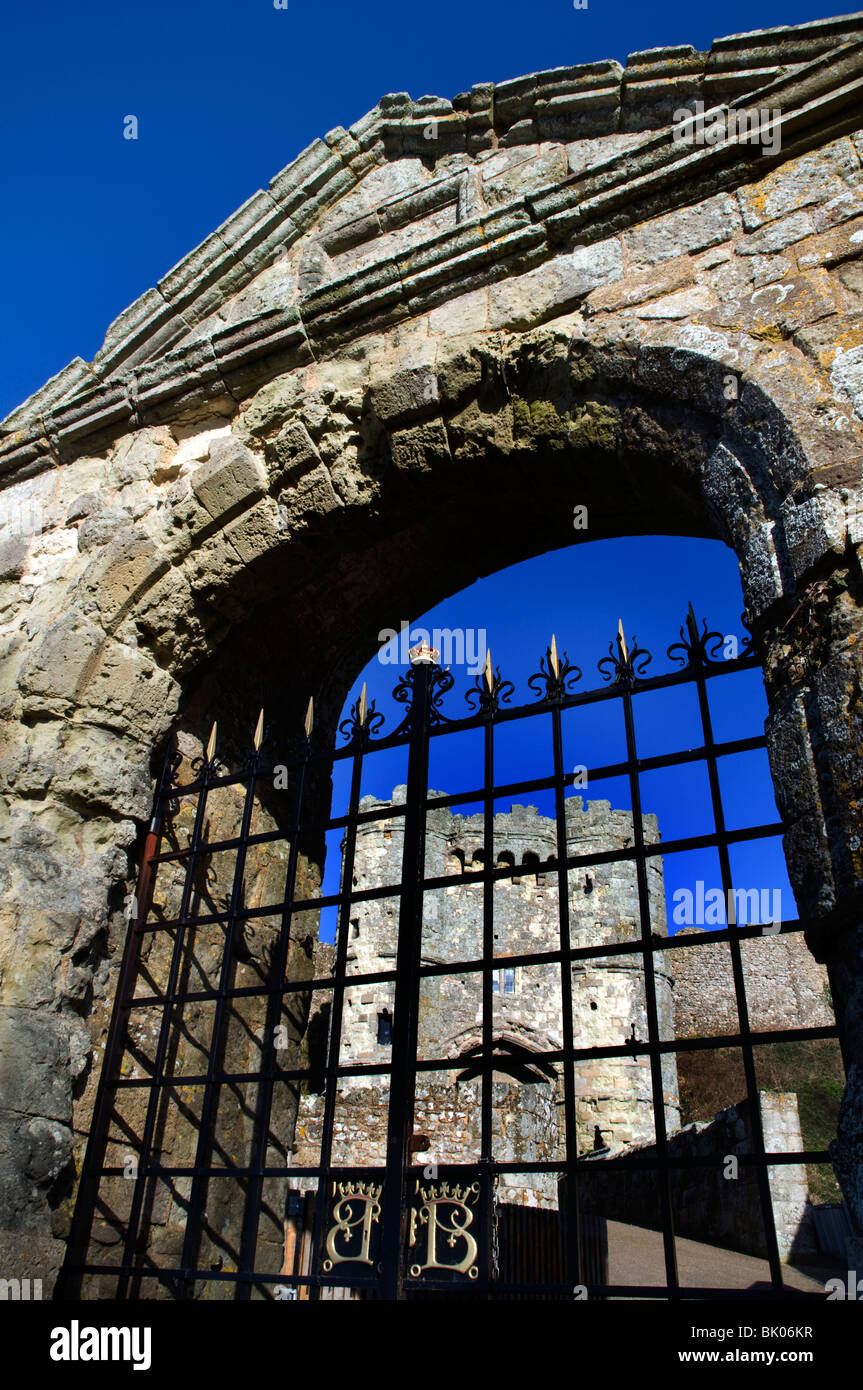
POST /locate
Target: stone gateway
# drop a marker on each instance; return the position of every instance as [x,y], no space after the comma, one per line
[533,281]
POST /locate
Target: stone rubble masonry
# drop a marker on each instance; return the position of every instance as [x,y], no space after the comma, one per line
[608,992]
[707,1204]
[786,987]
[532,283]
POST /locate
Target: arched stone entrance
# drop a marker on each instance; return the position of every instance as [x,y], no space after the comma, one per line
[274,510]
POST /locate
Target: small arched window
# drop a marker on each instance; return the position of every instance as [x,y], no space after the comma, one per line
[531,863]
[506,860]
[503,981]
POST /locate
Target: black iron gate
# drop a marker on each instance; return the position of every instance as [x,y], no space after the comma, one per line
[191,1186]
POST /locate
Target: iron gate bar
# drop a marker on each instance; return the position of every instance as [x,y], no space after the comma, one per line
[651,764]
[358,746]
[194,1217]
[807,1156]
[68,1282]
[624,678]
[267,1077]
[569,700]
[163,1039]
[168,1277]
[725,1040]
[405,1005]
[737,969]
[746,932]
[488,707]
[556,692]
[628,1049]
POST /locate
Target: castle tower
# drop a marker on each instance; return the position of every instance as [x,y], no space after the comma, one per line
[609,1005]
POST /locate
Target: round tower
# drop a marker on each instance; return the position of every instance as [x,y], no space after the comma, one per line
[608,992]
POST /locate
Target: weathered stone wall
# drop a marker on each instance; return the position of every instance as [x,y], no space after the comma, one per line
[707,1204]
[608,993]
[380,347]
[609,1005]
[525,1129]
[785,986]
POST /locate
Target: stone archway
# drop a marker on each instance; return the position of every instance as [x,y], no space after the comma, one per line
[665,337]
[435,464]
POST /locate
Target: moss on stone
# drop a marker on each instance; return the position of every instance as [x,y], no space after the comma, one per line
[541,421]
[595,427]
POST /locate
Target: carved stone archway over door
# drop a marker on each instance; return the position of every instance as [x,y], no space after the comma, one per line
[528,298]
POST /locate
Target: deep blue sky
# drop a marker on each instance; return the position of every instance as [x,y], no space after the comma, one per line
[226,94]
[579,593]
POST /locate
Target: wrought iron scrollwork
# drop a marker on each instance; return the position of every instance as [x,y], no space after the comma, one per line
[170,780]
[555,674]
[170,770]
[486,695]
[440,682]
[363,722]
[702,650]
[209,765]
[697,649]
[624,666]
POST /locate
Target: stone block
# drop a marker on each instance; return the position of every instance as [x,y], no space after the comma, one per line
[405,393]
[130,691]
[34,1064]
[814,528]
[810,178]
[777,235]
[82,506]
[642,287]
[312,497]
[13,556]
[292,452]
[684,231]
[126,568]
[257,531]
[832,247]
[97,530]
[147,455]
[232,477]
[846,377]
[55,668]
[552,289]
[418,449]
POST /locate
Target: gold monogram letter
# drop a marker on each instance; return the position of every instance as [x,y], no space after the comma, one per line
[357,1207]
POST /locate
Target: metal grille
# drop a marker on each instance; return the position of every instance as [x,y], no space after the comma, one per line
[216,965]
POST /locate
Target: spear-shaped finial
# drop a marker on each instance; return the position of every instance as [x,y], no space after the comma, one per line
[364,704]
[211,746]
[489,677]
[310,717]
[555,659]
[259,732]
[621,639]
